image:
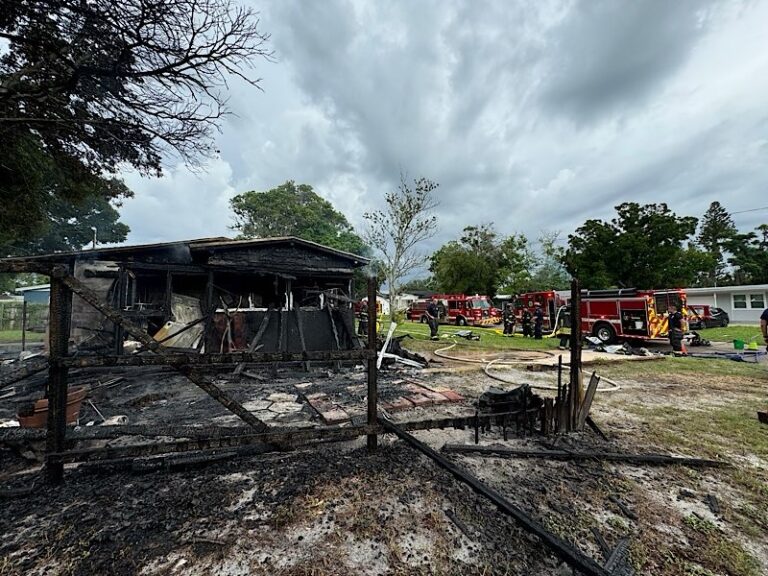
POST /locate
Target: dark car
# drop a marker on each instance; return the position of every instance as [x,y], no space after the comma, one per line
[705,316]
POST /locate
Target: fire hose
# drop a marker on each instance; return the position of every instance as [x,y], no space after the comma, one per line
[520,359]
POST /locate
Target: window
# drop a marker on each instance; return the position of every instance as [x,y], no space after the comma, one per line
[756,301]
[739,301]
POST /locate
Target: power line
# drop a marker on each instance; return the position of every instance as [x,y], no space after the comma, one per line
[750,210]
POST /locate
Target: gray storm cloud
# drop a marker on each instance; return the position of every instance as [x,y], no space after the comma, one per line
[535,116]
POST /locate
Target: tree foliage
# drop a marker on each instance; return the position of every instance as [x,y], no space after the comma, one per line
[395,232]
[70,226]
[750,256]
[716,232]
[481,262]
[87,88]
[294,210]
[549,272]
[644,246]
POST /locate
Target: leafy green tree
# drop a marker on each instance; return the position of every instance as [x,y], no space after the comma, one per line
[517,263]
[549,272]
[395,232]
[716,231]
[70,226]
[480,262]
[644,246]
[750,256]
[421,284]
[294,210]
[87,89]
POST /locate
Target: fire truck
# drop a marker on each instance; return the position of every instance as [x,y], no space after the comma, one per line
[457,309]
[625,313]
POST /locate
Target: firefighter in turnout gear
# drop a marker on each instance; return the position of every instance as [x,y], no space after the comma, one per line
[509,320]
[675,328]
[526,322]
[433,314]
[538,321]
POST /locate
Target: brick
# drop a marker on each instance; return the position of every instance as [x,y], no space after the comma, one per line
[420,400]
[334,416]
[401,404]
[436,397]
[452,396]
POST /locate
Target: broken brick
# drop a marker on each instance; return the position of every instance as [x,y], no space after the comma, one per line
[420,400]
[452,396]
[401,404]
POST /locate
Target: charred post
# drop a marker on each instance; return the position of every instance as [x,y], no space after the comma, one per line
[60,310]
[574,388]
[372,376]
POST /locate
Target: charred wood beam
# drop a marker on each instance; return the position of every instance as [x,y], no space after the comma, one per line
[201,381]
[26,370]
[21,435]
[661,459]
[256,339]
[25,266]
[372,371]
[60,314]
[462,422]
[183,269]
[564,550]
[282,440]
[177,359]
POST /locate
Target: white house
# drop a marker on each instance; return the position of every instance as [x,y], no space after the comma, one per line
[744,304]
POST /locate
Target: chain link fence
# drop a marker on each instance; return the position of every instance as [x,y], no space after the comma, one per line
[11,314]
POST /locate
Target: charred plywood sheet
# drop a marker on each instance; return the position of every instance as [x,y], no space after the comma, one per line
[295,260]
[87,323]
[282,333]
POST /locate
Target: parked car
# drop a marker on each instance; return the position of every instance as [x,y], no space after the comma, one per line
[705,316]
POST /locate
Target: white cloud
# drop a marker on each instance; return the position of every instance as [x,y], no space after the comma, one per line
[535,116]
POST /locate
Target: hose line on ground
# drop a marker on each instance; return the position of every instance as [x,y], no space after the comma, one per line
[499,362]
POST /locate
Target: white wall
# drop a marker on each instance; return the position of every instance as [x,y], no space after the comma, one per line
[754,298]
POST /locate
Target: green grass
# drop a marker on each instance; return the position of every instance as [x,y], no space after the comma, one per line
[15,336]
[670,366]
[490,337]
[733,332]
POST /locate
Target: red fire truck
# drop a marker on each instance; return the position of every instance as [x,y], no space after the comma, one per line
[457,309]
[625,313]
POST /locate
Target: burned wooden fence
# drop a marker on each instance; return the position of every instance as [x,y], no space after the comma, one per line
[63,285]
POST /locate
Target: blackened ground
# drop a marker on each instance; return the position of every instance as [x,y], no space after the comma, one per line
[327,511]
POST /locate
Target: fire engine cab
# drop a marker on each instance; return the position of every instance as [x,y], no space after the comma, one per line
[457,309]
[625,313]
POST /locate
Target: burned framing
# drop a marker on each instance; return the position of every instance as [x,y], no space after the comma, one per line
[133,291]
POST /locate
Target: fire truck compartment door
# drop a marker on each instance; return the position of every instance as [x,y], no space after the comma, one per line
[634,321]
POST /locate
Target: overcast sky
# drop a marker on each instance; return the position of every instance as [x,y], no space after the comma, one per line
[532,115]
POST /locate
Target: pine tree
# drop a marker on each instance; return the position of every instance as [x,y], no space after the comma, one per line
[716,230]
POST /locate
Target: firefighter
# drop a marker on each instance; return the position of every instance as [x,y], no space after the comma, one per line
[433,313]
[526,322]
[362,327]
[509,320]
[564,330]
[675,323]
[538,321]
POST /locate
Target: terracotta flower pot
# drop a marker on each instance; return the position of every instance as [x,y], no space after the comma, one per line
[37,416]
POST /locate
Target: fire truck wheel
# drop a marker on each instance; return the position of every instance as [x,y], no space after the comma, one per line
[461,321]
[423,320]
[604,332]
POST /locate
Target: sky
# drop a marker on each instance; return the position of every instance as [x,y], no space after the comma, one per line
[533,116]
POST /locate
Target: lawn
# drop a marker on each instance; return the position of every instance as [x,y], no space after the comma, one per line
[7,336]
[733,332]
[490,337]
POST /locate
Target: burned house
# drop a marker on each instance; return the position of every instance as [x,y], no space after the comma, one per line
[217,295]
